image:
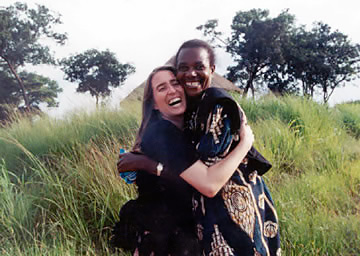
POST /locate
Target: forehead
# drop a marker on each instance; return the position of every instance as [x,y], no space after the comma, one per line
[162,76]
[193,55]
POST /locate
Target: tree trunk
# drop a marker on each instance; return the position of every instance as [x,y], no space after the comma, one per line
[303,87]
[20,82]
[252,91]
[246,89]
[329,94]
[312,89]
[249,84]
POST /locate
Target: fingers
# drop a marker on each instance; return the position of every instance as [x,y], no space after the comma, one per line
[121,167]
[245,130]
[246,133]
[120,163]
[250,133]
[126,162]
[244,118]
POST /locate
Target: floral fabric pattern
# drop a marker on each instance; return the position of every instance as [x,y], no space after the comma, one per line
[241,218]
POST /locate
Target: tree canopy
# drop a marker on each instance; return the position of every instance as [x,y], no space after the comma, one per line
[96,72]
[40,90]
[322,59]
[288,59]
[21,32]
[255,44]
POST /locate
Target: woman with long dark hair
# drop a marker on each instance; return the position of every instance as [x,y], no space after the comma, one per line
[159,221]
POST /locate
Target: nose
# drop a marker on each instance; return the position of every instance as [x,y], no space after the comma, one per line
[191,72]
[172,89]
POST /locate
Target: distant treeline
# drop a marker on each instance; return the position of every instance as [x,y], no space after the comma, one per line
[269,54]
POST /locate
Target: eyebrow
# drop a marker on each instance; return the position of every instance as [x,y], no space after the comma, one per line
[196,63]
[161,84]
[182,63]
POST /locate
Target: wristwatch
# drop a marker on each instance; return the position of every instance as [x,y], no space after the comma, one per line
[159,169]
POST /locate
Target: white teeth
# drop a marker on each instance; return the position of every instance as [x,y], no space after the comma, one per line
[174,101]
[193,84]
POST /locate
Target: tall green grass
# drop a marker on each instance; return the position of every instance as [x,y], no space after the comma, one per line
[53,135]
[60,194]
[66,188]
[350,115]
[73,200]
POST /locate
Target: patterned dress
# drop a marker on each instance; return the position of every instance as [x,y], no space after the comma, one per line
[241,218]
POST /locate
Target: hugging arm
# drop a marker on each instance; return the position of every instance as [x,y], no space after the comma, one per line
[207,180]
[136,162]
[214,147]
[171,148]
[181,159]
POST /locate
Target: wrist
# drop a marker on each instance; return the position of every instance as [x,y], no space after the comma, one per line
[159,169]
[145,163]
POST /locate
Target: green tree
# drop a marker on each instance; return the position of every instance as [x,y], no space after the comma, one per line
[40,90]
[21,31]
[8,88]
[255,44]
[322,60]
[95,72]
[286,58]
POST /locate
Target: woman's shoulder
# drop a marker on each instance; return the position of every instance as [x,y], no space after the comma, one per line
[160,134]
[161,128]
[164,142]
[215,93]
[216,99]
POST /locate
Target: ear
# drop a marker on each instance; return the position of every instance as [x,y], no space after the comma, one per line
[212,68]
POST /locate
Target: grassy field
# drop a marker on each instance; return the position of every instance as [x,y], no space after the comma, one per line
[60,194]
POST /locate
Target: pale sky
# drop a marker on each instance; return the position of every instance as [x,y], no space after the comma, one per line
[146,33]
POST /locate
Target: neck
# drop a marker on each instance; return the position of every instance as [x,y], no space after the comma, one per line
[178,121]
[194,100]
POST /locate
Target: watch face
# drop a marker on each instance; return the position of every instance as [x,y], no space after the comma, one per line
[159,169]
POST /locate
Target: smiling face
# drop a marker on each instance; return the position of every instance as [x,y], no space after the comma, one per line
[169,95]
[194,70]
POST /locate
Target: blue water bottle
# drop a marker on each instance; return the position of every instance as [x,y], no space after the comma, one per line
[129,177]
